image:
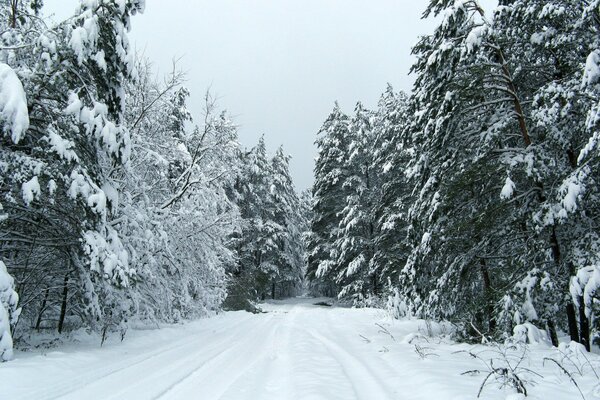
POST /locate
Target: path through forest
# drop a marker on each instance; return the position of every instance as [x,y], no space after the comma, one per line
[296,350]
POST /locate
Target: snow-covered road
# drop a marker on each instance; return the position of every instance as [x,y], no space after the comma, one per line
[297,350]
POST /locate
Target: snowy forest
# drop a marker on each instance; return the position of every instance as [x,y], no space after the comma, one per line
[474,199]
[115,203]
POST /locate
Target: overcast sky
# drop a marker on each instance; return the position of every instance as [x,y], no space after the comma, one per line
[278,66]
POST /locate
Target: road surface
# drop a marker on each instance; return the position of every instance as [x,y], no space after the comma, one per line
[296,350]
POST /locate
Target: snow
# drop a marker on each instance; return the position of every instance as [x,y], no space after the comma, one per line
[31,189]
[74,105]
[77,42]
[355,265]
[387,167]
[52,186]
[591,73]
[529,333]
[475,38]
[585,283]
[571,189]
[6,342]
[112,195]
[62,147]
[507,189]
[13,103]
[296,350]
[425,239]
[100,60]
[108,256]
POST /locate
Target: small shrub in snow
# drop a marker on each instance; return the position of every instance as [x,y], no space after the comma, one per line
[9,313]
[574,357]
[529,334]
[504,369]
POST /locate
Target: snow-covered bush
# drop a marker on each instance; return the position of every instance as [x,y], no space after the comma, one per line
[9,313]
[530,334]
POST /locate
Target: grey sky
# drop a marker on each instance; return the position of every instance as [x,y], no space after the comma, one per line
[279,65]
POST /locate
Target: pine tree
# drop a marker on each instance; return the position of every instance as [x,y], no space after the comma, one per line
[328,201]
[289,257]
[59,194]
[459,115]
[355,242]
[255,244]
[392,197]
[497,97]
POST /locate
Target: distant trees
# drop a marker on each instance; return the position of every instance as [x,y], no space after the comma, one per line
[270,245]
[328,201]
[349,243]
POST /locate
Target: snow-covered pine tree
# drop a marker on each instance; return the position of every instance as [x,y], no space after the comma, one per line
[458,119]
[256,244]
[567,109]
[289,257]
[328,200]
[354,246]
[580,189]
[545,41]
[59,193]
[498,97]
[391,155]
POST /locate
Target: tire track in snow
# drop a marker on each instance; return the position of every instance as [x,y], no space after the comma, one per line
[324,374]
[273,367]
[216,351]
[304,352]
[66,388]
[348,341]
[367,384]
[184,387]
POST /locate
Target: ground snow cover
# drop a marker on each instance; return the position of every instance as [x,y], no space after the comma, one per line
[298,350]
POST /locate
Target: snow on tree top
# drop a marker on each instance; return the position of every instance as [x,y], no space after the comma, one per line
[13,104]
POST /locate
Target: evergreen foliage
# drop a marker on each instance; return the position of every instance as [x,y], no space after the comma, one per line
[473,200]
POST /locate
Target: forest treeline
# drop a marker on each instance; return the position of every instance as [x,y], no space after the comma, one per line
[475,198]
[115,205]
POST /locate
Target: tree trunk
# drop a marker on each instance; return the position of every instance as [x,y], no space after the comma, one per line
[63,307]
[572,318]
[584,326]
[552,332]
[375,284]
[571,313]
[42,309]
[487,293]
[13,14]
[273,291]
[555,247]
